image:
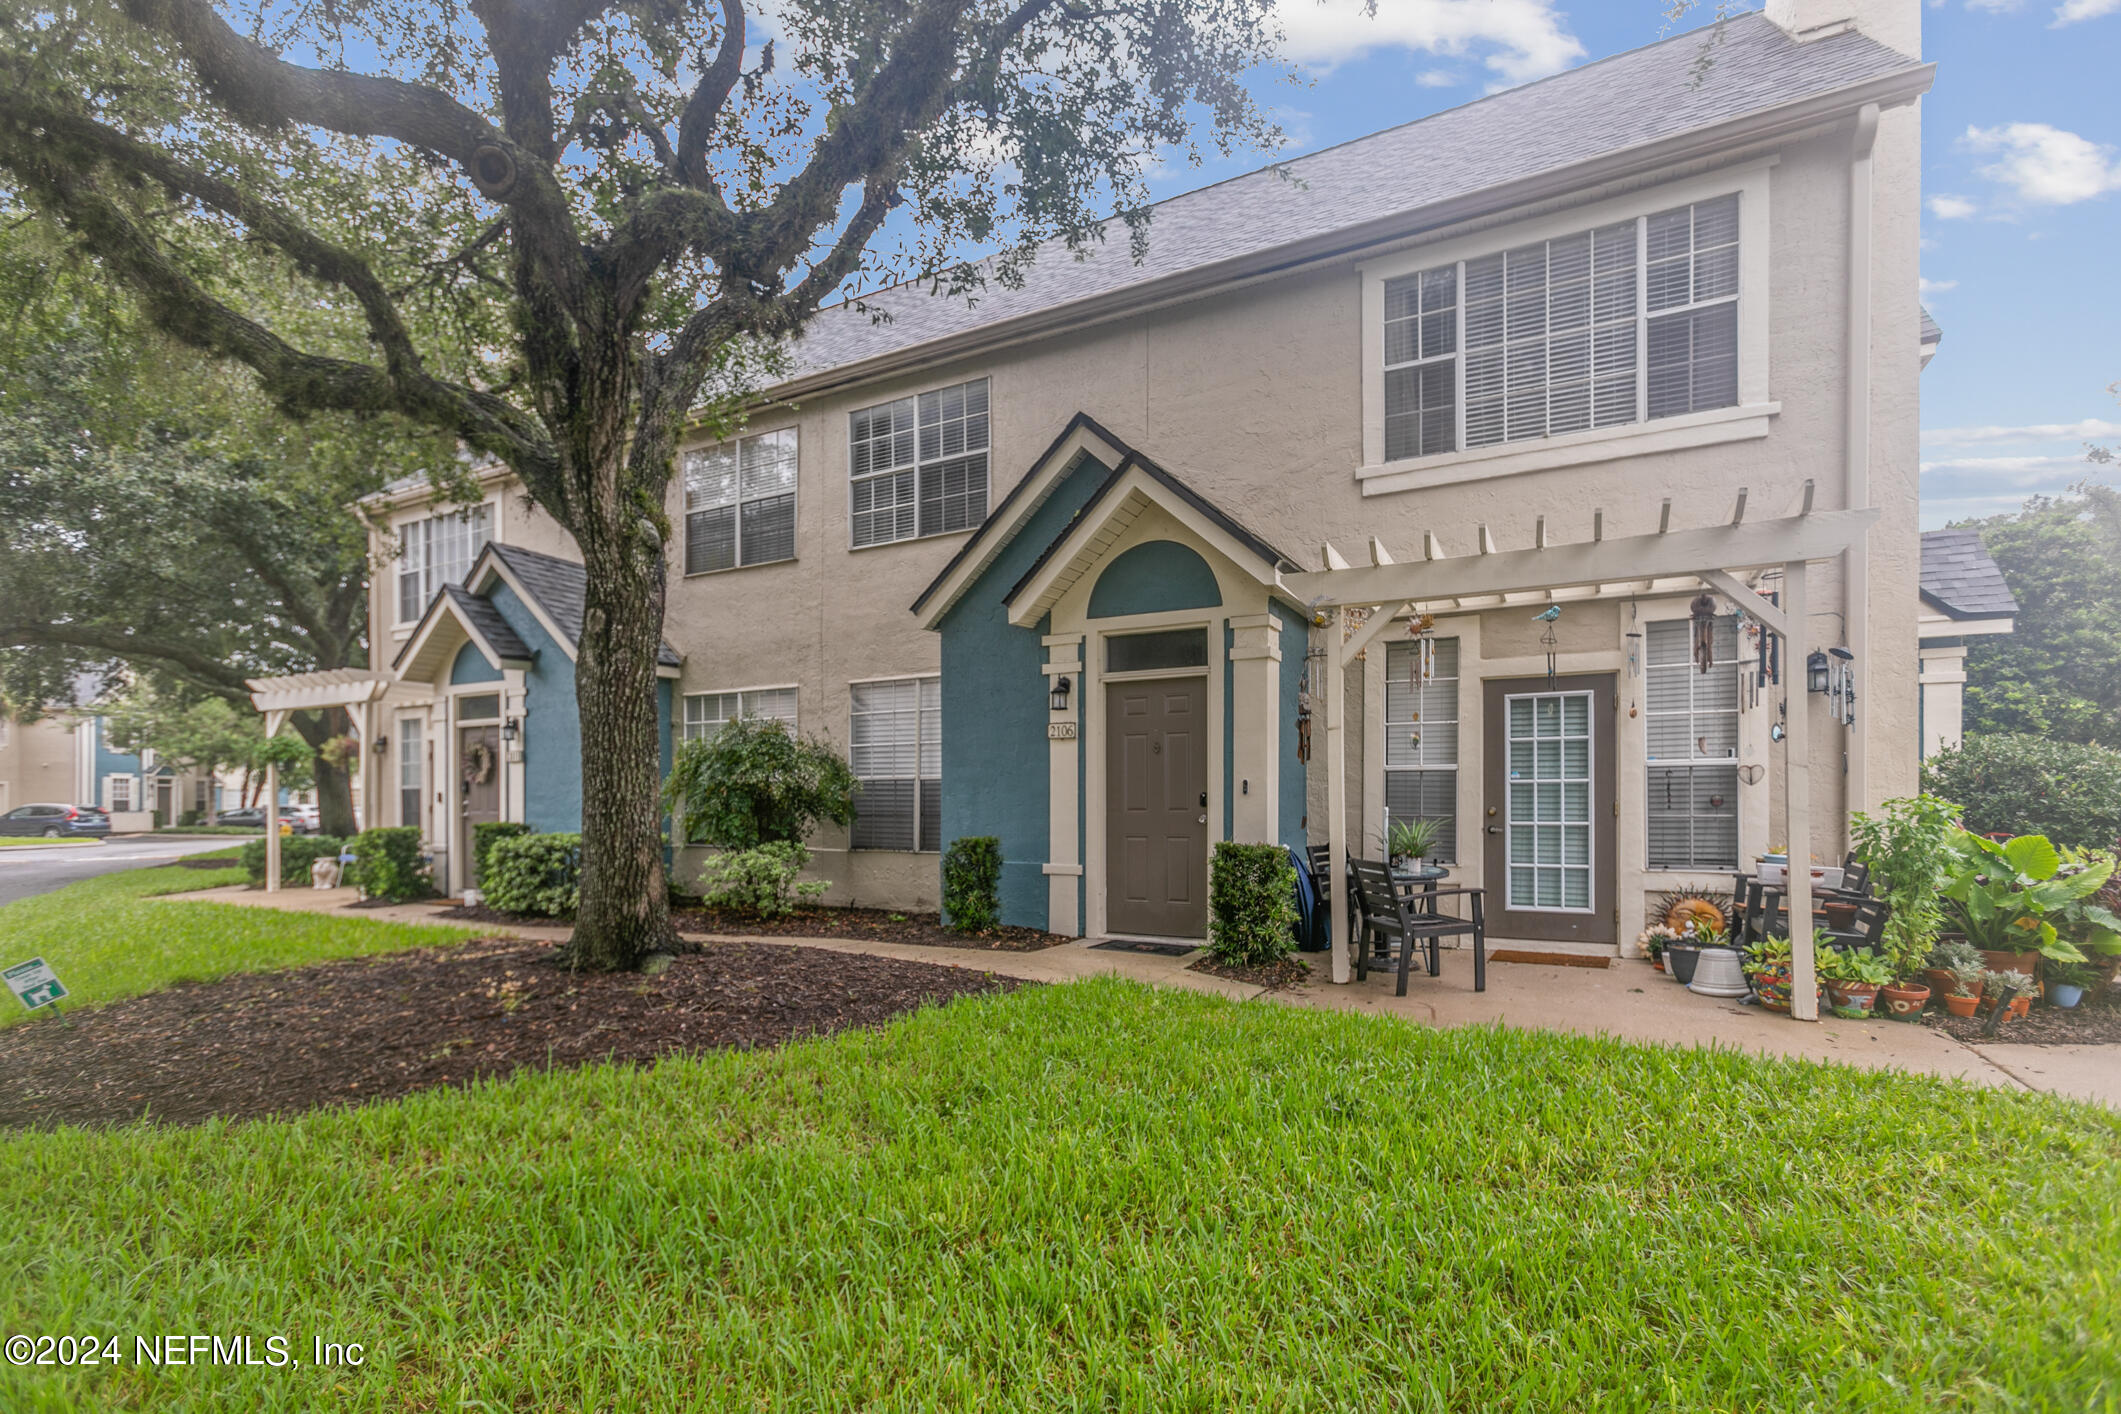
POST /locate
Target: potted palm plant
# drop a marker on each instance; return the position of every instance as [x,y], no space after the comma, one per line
[1409,842]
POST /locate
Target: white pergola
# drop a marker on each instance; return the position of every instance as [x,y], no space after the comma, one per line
[362,692]
[1667,560]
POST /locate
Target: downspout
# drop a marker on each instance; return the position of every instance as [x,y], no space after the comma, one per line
[1856,482]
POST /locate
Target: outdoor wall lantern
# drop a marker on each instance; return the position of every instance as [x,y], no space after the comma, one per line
[1815,673]
[1060,693]
[509,729]
[382,744]
[1842,694]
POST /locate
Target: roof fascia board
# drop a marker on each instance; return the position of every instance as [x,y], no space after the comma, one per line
[485,475]
[490,566]
[1765,125]
[1959,615]
[416,646]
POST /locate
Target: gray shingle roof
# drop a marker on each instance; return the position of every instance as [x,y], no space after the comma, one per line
[483,616]
[1932,332]
[1631,99]
[1959,577]
[559,586]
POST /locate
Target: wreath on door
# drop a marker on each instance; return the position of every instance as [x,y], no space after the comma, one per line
[478,764]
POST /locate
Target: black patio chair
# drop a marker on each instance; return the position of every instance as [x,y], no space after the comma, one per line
[1407,917]
[1321,860]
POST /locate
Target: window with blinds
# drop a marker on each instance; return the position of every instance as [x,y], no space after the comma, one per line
[1421,736]
[740,503]
[897,754]
[919,465]
[708,712]
[1691,719]
[1557,336]
[412,763]
[435,551]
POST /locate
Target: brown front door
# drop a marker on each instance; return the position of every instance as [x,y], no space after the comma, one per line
[479,785]
[1156,807]
[1547,815]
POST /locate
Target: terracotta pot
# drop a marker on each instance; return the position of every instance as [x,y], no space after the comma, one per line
[1840,916]
[1855,998]
[1941,983]
[1905,1003]
[1658,963]
[2027,963]
[1961,1005]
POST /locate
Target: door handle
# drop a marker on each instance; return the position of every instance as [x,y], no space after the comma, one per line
[1204,819]
[1494,829]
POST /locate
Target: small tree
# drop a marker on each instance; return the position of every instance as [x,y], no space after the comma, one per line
[755,782]
[203,735]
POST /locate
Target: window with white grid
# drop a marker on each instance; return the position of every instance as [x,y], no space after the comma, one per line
[740,503]
[1421,736]
[919,465]
[435,551]
[1601,328]
[119,790]
[412,769]
[708,712]
[1691,721]
[897,753]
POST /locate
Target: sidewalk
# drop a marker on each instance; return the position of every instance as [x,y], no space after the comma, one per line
[1629,1001]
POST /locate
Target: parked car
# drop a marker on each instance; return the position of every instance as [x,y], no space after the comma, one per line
[253,816]
[54,821]
[306,818]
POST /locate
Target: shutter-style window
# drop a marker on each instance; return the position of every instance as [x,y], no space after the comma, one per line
[412,763]
[708,712]
[1421,735]
[1693,303]
[897,753]
[740,503]
[1691,721]
[919,465]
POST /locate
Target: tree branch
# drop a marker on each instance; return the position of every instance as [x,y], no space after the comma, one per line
[704,108]
[205,670]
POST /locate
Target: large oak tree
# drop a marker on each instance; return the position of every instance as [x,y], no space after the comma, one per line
[627,196]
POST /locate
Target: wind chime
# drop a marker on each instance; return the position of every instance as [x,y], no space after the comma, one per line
[1703,613]
[1422,669]
[1549,640]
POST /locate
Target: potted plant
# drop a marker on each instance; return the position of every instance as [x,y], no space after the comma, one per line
[1653,940]
[1904,998]
[1409,842]
[2006,993]
[2020,901]
[1768,968]
[1909,846]
[1946,959]
[1968,980]
[1682,953]
[2067,982]
[1853,977]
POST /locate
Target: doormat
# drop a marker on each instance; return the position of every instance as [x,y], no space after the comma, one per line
[1160,949]
[1551,959]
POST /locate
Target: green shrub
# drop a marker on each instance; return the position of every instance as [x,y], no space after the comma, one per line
[760,880]
[483,836]
[535,874]
[755,782]
[387,864]
[2030,785]
[297,853]
[972,883]
[1251,903]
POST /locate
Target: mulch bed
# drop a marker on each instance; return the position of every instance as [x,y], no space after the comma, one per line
[874,925]
[342,1033]
[2094,1021]
[1274,976]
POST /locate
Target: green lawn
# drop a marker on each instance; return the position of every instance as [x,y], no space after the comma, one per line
[107,939]
[1102,1196]
[38,841]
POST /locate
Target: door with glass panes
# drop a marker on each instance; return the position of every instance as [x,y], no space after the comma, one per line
[1548,814]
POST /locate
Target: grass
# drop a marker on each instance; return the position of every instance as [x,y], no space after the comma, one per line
[1102,1196]
[32,841]
[107,938]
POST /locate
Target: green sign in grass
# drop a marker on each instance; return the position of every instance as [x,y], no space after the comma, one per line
[34,982]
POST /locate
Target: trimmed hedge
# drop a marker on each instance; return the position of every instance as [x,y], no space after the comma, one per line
[483,837]
[972,884]
[2031,785]
[297,853]
[762,880]
[534,874]
[1251,903]
[387,864]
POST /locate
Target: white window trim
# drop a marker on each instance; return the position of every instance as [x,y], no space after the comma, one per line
[852,684]
[795,512]
[1739,760]
[1457,681]
[1750,418]
[398,525]
[132,790]
[738,692]
[916,395]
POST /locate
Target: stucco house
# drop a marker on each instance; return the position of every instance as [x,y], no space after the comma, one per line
[1058,566]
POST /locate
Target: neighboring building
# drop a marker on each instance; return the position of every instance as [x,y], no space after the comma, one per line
[36,762]
[1963,596]
[1622,286]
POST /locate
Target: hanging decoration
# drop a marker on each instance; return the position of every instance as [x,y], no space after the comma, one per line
[1549,640]
[1352,619]
[1703,612]
[1303,735]
[478,764]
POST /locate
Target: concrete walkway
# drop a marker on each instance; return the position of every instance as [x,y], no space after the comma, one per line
[1628,1000]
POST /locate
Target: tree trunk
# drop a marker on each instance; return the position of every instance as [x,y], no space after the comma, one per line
[624,914]
[334,801]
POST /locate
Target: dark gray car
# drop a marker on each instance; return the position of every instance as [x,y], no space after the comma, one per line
[55,822]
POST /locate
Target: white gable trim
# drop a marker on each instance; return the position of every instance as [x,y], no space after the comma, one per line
[418,653]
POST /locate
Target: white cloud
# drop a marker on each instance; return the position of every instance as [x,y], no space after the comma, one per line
[2014,471]
[1994,7]
[2047,166]
[2091,429]
[1436,78]
[1935,287]
[2074,10]
[1518,40]
[1951,208]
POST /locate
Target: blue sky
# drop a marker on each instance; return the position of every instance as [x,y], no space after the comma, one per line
[2022,176]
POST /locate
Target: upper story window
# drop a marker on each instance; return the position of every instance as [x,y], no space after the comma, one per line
[740,503]
[919,465]
[1619,324]
[435,551]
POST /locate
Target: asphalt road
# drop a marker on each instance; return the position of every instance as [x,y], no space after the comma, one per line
[31,869]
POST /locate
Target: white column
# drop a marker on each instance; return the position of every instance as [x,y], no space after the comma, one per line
[1797,797]
[272,827]
[1255,662]
[1064,864]
[1335,684]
